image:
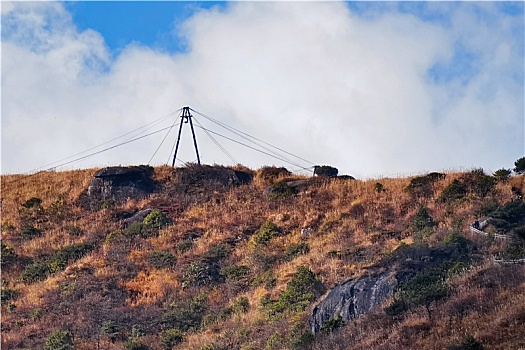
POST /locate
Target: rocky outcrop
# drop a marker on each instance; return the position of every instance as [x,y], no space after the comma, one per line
[118,184]
[353,298]
[197,179]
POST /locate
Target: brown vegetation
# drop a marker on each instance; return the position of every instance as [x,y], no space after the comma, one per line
[224,287]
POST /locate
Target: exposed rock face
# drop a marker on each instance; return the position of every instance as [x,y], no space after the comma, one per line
[137,217]
[353,298]
[120,183]
[204,178]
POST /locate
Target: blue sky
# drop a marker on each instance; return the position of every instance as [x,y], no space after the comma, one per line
[403,87]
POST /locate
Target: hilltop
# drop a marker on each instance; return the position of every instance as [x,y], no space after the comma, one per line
[207,258]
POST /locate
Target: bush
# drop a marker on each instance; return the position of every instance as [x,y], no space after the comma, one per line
[201,273]
[468,343]
[295,250]
[161,259]
[32,203]
[59,340]
[332,324]
[378,187]
[217,252]
[29,232]
[519,165]
[184,245]
[186,316]
[132,344]
[110,330]
[421,186]
[422,220]
[241,305]
[509,216]
[170,338]
[7,255]
[502,174]
[478,182]
[456,190]
[266,232]
[61,258]
[235,272]
[325,170]
[34,272]
[299,292]
[8,294]
[280,190]
[156,220]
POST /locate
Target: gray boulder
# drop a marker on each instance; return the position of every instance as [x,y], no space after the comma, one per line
[119,184]
[352,299]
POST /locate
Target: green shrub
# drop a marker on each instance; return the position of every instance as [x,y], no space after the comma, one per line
[421,186]
[295,250]
[187,315]
[422,220]
[519,165]
[455,191]
[170,338]
[300,337]
[502,174]
[8,294]
[266,232]
[133,344]
[378,187]
[266,278]
[137,331]
[110,330]
[468,343]
[7,255]
[184,245]
[280,190]
[271,173]
[60,259]
[29,232]
[241,305]
[201,273]
[161,259]
[478,182]
[59,340]
[217,252]
[37,271]
[332,324]
[235,272]
[156,220]
[298,294]
[510,215]
[32,203]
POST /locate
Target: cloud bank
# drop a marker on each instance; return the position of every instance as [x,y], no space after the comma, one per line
[373,92]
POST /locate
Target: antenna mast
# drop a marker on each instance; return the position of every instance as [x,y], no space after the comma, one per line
[184,119]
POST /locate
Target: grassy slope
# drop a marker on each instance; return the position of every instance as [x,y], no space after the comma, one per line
[354,227]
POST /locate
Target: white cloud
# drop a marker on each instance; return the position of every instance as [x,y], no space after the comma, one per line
[312,78]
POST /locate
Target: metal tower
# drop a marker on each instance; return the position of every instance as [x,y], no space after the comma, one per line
[184,119]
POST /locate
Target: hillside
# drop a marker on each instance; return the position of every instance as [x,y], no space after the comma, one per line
[217,258]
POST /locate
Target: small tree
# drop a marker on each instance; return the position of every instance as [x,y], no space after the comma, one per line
[519,165]
[59,340]
[502,174]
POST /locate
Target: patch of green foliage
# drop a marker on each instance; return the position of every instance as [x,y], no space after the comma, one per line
[235,272]
[295,250]
[7,255]
[468,343]
[110,330]
[502,175]
[299,293]
[266,232]
[478,182]
[171,337]
[509,216]
[201,273]
[280,190]
[332,324]
[59,340]
[185,245]
[378,187]
[241,305]
[8,294]
[133,344]
[423,224]
[455,191]
[421,186]
[161,259]
[519,166]
[29,232]
[186,316]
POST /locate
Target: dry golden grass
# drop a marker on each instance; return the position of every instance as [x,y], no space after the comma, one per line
[345,217]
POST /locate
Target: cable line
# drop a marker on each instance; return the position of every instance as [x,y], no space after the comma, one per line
[232,129]
[171,127]
[255,149]
[216,143]
[48,166]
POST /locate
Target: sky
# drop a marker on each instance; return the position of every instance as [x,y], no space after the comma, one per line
[375,89]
